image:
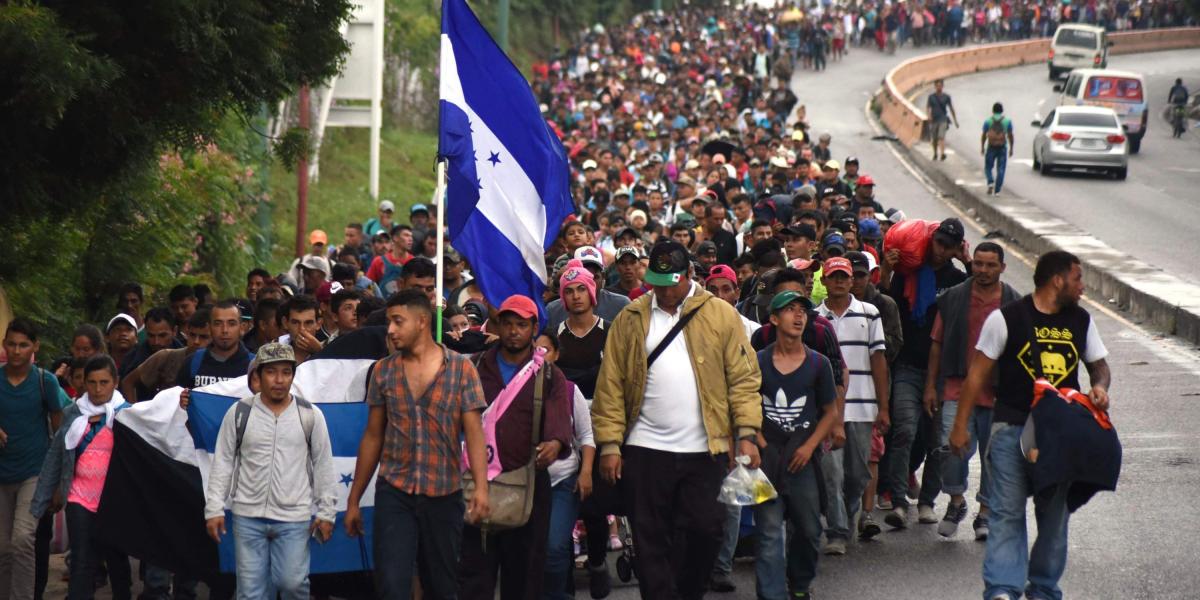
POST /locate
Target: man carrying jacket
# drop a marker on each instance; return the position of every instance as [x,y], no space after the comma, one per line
[962,310]
[678,383]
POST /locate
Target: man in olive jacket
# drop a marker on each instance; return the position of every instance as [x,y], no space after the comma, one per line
[664,418]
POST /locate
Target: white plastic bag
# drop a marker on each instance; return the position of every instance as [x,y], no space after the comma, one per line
[745,486]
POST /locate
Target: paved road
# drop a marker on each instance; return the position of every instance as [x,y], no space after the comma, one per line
[1137,543]
[1152,214]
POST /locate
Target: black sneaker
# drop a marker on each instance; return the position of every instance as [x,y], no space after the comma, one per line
[868,528]
[955,513]
[897,518]
[721,584]
[980,525]
[801,596]
[598,582]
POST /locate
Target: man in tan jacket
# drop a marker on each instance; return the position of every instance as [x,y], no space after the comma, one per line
[678,382]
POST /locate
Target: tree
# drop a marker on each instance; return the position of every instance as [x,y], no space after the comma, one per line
[93,91]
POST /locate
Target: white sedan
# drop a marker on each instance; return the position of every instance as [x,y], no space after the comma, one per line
[1081,137]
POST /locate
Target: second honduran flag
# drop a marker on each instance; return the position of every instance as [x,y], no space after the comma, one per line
[153,502]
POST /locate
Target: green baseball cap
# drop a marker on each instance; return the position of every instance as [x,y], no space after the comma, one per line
[783,299]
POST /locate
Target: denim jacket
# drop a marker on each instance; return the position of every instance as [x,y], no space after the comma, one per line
[58,470]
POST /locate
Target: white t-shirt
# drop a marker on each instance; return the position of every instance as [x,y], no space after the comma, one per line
[860,334]
[670,419]
[994,336]
[581,412]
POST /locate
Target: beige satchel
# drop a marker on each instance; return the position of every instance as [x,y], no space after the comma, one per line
[510,494]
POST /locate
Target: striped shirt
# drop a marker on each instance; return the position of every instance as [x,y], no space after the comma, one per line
[860,334]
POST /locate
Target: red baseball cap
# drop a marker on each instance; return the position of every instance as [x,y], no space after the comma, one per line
[865,180]
[837,264]
[721,272]
[522,306]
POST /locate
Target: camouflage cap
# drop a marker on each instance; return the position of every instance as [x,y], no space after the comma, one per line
[272,353]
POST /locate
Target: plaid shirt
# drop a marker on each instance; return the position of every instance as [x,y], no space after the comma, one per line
[421,448]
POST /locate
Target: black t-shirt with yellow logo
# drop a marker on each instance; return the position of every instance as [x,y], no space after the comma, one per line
[1066,342]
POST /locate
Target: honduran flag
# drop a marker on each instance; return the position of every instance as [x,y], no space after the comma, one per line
[508,183]
[153,501]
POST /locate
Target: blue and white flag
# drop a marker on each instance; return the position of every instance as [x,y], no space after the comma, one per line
[508,184]
[153,499]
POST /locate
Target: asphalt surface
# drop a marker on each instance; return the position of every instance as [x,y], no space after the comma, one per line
[1140,542]
[1151,215]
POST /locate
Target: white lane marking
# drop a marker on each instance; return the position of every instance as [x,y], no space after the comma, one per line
[1169,349]
[1024,161]
[1156,449]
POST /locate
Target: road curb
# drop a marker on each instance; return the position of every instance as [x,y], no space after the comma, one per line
[1150,295]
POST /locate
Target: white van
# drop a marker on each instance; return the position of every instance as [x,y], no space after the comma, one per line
[1122,91]
[1078,47]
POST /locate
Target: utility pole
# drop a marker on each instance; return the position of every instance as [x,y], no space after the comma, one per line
[502,25]
[302,178]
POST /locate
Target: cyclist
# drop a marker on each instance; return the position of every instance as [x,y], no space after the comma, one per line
[1177,98]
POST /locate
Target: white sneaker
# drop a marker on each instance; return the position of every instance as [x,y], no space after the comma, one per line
[925,515]
[835,547]
[897,518]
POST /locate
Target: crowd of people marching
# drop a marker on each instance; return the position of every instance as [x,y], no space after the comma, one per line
[722,290]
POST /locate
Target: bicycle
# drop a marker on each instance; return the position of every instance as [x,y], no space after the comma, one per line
[1178,121]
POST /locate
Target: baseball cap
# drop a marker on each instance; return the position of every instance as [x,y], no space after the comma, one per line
[803,230]
[589,254]
[621,191]
[120,319]
[343,271]
[668,264]
[865,180]
[589,164]
[950,232]
[270,353]
[871,264]
[655,158]
[686,218]
[416,208]
[798,135]
[869,228]
[318,237]
[315,263]
[833,164]
[755,162]
[691,164]
[828,191]
[633,251]
[801,264]
[387,206]
[327,290]
[859,262]
[837,264]
[685,180]
[782,299]
[519,305]
[626,231]
[834,241]
[808,190]
[721,272]
[894,215]
[450,255]
[850,160]
[476,311]
[705,248]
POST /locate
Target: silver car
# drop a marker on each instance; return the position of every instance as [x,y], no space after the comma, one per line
[1081,137]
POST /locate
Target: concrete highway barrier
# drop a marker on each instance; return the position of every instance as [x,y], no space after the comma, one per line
[906,120]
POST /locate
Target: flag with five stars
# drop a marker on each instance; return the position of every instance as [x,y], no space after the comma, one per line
[508,183]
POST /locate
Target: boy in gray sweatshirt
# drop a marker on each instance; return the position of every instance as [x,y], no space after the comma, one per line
[270,492]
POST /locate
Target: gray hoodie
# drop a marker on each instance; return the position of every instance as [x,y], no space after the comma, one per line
[272,481]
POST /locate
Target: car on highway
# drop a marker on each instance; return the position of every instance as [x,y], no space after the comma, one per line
[1122,91]
[1081,137]
[1077,47]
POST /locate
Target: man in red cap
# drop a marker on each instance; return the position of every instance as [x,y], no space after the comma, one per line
[517,556]
[864,194]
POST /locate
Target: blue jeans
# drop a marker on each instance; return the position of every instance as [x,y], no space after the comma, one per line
[564,509]
[776,569]
[908,389]
[846,476]
[996,157]
[955,469]
[1008,563]
[271,556]
[416,533]
[733,526]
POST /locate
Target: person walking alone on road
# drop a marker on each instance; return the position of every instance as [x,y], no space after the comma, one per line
[258,472]
[996,145]
[669,399]
[940,110]
[1050,331]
